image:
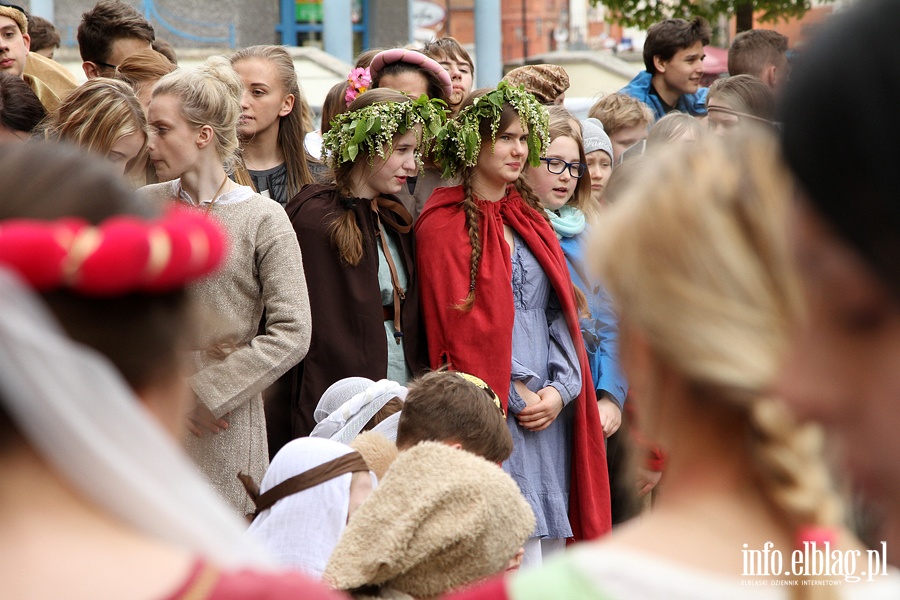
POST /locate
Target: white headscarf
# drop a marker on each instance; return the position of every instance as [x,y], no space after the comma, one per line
[301,530]
[346,421]
[75,410]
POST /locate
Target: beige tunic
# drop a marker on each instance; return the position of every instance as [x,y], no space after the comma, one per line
[264,270]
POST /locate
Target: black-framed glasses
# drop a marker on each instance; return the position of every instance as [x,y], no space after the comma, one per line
[558,165]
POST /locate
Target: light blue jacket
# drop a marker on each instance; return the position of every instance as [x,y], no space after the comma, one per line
[601,329]
[639,88]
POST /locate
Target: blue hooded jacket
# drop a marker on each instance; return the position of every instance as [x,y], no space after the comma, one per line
[639,88]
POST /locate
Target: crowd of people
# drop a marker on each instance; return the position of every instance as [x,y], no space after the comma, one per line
[425,348]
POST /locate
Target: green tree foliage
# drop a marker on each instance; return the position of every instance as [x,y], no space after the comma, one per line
[644,13]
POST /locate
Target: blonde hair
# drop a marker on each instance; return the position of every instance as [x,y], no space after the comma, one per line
[671,127]
[564,124]
[210,95]
[620,111]
[696,253]
[96,115]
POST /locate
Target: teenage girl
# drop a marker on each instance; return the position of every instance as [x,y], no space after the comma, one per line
[271,125]
[366,306]
[193,117]
[498,302]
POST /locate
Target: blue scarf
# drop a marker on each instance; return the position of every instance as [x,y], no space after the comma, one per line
[567,221]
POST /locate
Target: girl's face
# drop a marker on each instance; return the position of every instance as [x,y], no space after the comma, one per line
[506,162]
[173,144]
[718,122]
[264,101]
[125,150]
[555,189]
[599,165]
[388,176]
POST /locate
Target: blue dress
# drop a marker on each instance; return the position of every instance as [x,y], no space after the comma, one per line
[543,354]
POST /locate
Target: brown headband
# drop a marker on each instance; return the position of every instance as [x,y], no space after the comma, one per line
[348,463]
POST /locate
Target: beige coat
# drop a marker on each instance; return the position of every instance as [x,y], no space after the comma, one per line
[264,270]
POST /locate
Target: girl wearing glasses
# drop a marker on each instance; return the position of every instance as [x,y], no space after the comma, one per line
[562,184]
[498,302]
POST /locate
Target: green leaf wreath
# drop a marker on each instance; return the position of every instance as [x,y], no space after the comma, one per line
[371,129]
[458,145]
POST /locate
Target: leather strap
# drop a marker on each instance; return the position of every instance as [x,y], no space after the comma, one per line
[399,292]
[348,463]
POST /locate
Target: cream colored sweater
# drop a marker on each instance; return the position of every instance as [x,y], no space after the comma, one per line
[264,270]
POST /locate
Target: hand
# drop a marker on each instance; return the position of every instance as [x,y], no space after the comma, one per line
[537,417]
[610,414]
[527,396]
[200,419]
[647,480]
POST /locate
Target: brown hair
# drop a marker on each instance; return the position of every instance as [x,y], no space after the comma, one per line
[108,21]
[448,47]
[746,94]
[333,105]
[143,67]
[20,108]
[43,33]
[443,407]
[165,48]
[433,82]
[292,127]
[143,335]
[344,230]
[667,37]
[754,50]
[365,58]
[392,407]
[620,111]
[673,126]
[507,116]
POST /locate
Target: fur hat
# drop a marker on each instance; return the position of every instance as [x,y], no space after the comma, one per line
[546,82]
[15,13]
[377,450]
[595,137]
[440,518]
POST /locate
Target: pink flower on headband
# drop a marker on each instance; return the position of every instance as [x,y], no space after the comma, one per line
[358,82]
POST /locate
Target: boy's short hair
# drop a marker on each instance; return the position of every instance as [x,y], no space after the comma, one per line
[620,111]
[667,37]
[444,407]
[108,21]
[752,51]
[448,48]
[43,33]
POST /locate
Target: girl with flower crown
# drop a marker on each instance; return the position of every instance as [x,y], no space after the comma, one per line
[498,302]
[193,116]
[366,306]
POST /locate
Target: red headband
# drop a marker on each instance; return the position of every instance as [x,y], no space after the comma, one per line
[121,255]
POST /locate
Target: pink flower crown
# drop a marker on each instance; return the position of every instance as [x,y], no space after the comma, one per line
[358,82]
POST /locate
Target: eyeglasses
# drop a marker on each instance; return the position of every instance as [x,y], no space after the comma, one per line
[558,165]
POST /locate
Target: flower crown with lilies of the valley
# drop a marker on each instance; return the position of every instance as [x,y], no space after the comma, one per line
[459,144]
[371,129]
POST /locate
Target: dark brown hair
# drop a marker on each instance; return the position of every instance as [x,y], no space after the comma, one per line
[393,406]
[20,108]
[143,335]
[42,32]
[667,37]
[752,51]
[334,104]
[443,407]
[434,85]
[108,21]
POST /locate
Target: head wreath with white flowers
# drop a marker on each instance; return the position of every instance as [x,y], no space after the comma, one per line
[371,129]
[460,143]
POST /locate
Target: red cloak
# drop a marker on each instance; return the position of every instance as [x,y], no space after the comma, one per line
[480,341]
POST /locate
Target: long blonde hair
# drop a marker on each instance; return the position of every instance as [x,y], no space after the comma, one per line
[697,257]
[96,115]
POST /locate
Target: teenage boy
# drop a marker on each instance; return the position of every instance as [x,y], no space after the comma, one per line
[761,53]
[108,34]
[673,57]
